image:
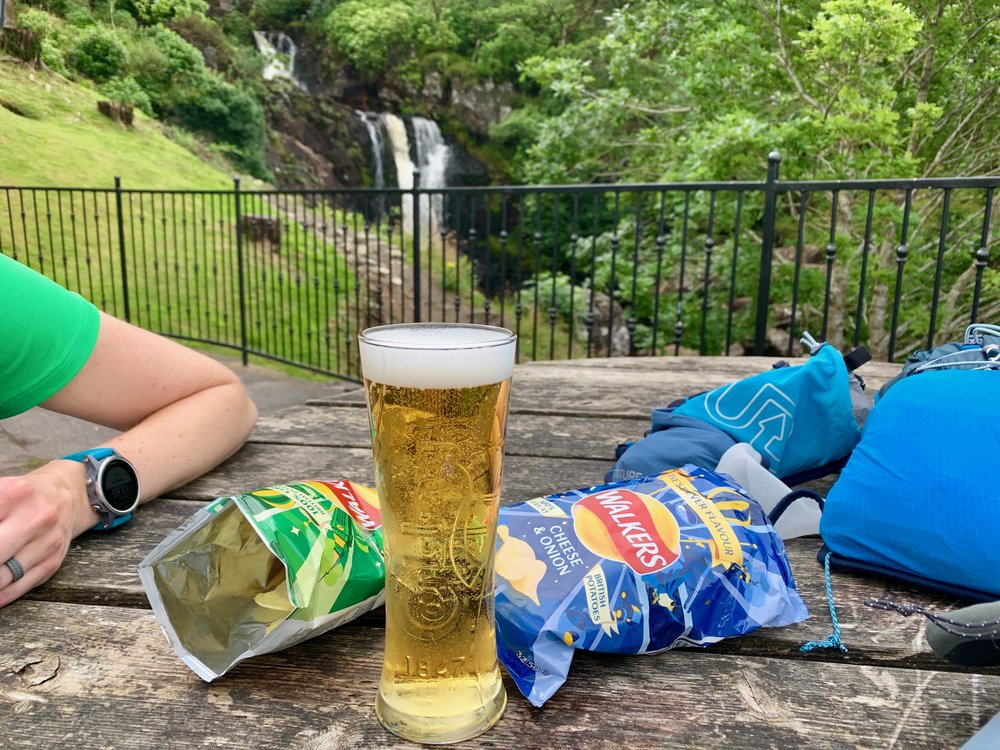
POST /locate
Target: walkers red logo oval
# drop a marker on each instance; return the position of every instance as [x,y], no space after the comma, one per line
[629,527]
[360,502]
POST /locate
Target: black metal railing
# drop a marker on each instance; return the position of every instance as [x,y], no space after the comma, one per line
[576,271]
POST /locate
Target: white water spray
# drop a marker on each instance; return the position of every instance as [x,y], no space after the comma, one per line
[432,156]
[278,51]
[396,130]
[375,138]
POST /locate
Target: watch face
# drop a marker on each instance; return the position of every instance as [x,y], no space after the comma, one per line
[119,485]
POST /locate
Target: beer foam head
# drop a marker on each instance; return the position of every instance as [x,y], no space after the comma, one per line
[437,355]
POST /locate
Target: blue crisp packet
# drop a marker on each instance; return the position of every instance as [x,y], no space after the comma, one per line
[683,558]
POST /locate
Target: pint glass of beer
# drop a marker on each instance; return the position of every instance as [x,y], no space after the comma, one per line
[437,404]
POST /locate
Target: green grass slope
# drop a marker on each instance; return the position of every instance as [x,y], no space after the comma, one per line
[51,134]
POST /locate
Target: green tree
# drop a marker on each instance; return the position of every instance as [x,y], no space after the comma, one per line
[373,33]
[160,60]
[98,54]
[842,88]
[161,11]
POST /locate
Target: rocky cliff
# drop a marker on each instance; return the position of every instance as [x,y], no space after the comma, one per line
[317,140]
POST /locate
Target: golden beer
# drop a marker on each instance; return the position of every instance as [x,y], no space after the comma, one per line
[437,397]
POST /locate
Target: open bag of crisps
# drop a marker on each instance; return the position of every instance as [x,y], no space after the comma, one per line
[255,573]
[683,558]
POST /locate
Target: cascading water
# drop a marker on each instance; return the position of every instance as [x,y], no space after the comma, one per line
[278,51]
[395,128]
[372,125]
[375,138]
[432,155]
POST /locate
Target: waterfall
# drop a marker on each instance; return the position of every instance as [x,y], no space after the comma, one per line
[375,138]
[432,154]
[278,51]
[395,128]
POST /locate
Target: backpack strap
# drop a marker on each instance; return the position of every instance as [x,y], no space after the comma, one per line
[856,358]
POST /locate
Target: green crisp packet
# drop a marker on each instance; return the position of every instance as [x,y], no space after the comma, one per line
[255,573]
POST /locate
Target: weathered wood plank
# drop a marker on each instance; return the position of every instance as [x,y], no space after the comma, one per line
[875,373]
[101,569]
[626,386]
[264,464]
[62,686]
[527,434]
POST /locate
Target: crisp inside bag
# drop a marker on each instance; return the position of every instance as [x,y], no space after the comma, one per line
[682,558]
[254,573]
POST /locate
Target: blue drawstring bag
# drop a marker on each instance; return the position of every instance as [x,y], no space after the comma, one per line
[915,501]
[673,440]
[799,418]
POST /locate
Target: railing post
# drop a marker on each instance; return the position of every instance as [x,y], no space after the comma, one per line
[240,273]
[766,254]
[416,243]
[121,245]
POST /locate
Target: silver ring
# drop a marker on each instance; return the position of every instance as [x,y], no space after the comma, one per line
[15,568]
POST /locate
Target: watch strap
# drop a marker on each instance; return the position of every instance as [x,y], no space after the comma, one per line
[99,454]
[115,523]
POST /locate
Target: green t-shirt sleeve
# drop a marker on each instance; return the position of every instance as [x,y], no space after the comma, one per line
[48,335]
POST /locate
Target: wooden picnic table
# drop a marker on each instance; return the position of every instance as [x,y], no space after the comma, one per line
[83,662]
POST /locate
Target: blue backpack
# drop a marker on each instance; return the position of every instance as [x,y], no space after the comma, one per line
[979,350]
[915,501]
[802,419]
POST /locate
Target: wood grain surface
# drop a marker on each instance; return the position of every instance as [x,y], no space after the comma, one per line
[105,677]
[83,663]
[102,569]
[626,386]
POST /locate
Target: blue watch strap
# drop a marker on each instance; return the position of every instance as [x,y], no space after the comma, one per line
[98,454]
[115,523]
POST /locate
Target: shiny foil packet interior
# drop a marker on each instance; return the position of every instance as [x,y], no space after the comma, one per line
[254,573]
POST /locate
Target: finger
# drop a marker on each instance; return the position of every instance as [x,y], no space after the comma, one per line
[7,574]
[39,565]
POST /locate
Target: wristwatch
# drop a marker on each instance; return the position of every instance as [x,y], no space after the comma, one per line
[112,486]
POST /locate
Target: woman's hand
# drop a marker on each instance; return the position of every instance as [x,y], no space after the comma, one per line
[40,514]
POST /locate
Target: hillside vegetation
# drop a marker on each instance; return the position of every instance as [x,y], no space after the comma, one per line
[52,134]
[601,92]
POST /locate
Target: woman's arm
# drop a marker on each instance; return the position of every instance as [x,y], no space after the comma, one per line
[181,413]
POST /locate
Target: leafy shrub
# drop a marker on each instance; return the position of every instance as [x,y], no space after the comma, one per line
[122,19]
[114,14]
[37,21]
[47,26]
[271,14]
[159,58]
[98,55]
[237,27]
[228,113]
[79,17]
[246,64]
[56,7]
[208,38]
[127,91]
[370,32]
[161,11]
[53,57]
